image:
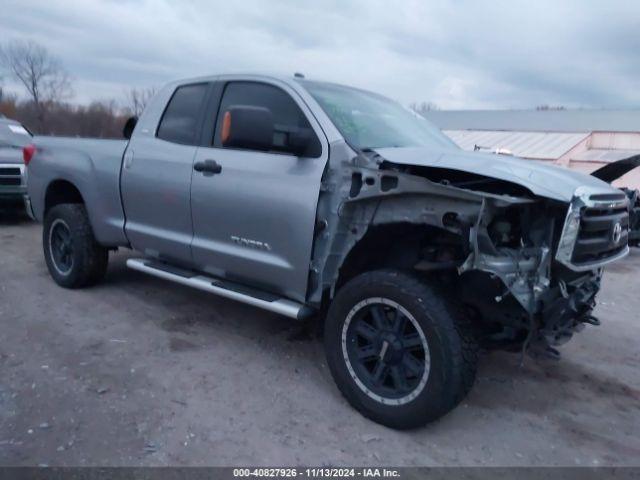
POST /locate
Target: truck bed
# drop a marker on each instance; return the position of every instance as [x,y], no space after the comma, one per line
[93,166]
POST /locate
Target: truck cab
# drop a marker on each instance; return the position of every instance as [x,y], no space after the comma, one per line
[245,210]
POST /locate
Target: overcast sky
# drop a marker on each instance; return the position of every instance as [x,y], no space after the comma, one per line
[455,53]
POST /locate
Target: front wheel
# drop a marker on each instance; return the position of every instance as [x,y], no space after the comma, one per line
[397,350]
[72,254]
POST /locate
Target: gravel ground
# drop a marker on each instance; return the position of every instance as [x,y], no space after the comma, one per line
[138,371]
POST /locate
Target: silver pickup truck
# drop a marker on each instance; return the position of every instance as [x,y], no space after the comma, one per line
[13,185]
[303,197]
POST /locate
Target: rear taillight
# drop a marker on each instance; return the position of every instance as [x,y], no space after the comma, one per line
[27,153]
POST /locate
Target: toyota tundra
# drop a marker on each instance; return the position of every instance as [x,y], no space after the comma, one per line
[308,198]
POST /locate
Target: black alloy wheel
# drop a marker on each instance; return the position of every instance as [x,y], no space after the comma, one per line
[386,351]
[61,246]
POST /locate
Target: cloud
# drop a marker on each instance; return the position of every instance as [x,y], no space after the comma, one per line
[455,53]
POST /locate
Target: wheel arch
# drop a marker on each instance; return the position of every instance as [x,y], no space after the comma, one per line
[61,191]
[398,245]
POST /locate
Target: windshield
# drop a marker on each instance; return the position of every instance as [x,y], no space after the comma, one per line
[14,135]
[368,120]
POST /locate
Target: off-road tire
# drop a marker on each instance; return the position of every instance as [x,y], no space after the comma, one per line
[89,258]
[452,348]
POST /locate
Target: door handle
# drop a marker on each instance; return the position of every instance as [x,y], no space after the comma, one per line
[128,159]
[208,166]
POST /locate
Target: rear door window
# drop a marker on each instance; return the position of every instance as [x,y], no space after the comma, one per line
[181,119]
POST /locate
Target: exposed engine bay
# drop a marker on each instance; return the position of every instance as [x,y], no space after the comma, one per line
[524,268]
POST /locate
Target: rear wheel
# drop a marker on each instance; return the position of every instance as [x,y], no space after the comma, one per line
[397,350]
[72,254]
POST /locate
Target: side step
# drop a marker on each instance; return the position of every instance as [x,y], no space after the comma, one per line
[225,289]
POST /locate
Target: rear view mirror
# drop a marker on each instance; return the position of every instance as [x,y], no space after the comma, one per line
[247,127]
[129,126]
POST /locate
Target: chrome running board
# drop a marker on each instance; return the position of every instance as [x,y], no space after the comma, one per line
[223,288]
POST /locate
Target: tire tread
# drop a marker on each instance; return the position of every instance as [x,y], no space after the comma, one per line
[451,327]
[92,258]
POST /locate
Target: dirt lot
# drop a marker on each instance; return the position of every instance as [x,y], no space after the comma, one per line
[138,371]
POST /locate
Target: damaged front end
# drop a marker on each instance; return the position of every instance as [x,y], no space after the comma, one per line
[552,272]
[526,268]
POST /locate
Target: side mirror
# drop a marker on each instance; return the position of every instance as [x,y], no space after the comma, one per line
[129,126]
[299,140]
[248,127]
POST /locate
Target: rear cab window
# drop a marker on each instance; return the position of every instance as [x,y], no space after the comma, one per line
[287,115]
[180,122]
[14,135]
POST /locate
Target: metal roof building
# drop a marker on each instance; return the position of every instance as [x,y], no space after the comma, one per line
[538,120]
[579,139]
[537,145]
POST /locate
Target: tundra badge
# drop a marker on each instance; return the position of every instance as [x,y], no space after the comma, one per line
[245,242]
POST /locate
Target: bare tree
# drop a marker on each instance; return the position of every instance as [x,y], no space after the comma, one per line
[40,72]
[545,107]
[2,92]
[137,99]
[423,107]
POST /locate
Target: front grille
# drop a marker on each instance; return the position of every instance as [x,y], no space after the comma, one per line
[10,176]
[603,234]
[10,182]
[9,171]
